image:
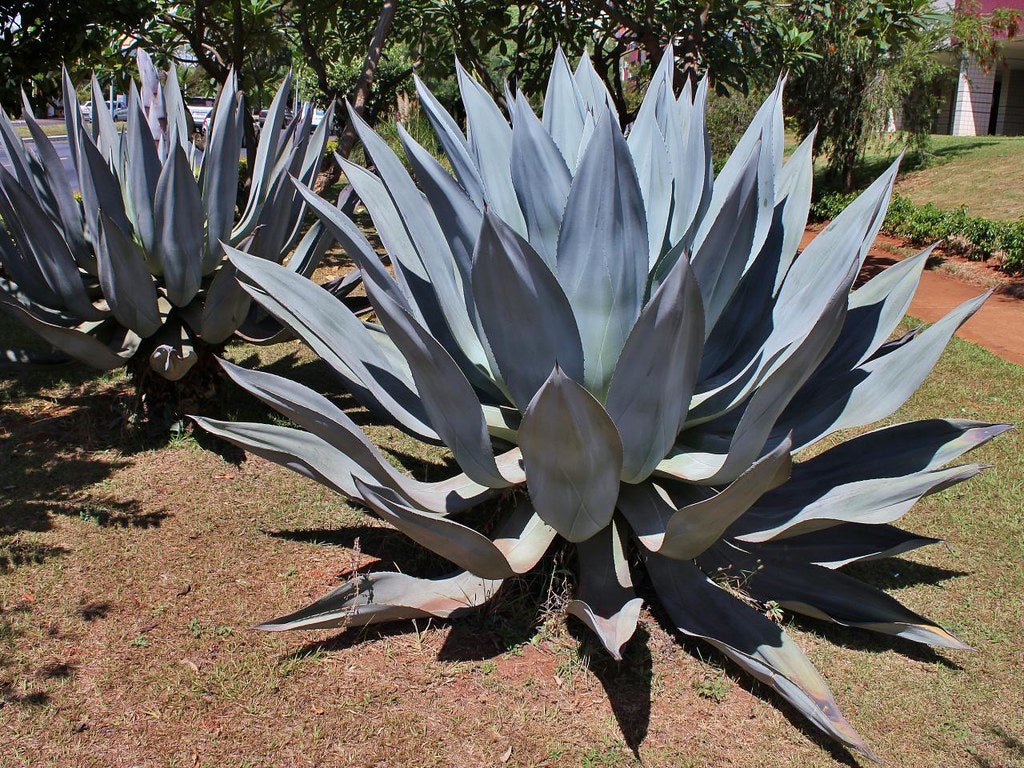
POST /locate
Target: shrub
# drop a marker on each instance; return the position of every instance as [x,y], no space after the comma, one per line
[975,237]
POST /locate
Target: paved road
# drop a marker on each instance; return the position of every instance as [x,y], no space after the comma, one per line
[63,152]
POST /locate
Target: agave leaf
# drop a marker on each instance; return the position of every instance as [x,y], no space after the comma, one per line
[127,283]
[332,429]
[600,268]
[432,248]
[72,111]
[174,354]
[300,451]
[55,178]
[268,147]
[892,451]
[860,473]
[179,213]
[876,308]
[541,180]
[225,306]
[379,597]
[15,152]
[564,110]
[813,285]
[833,596]
[514,289]
[143,173]
[524,537]
[843,544]
[447,396]
[35,233]
[219,174]
[733,442]
[690,157]
[453,142]
[794,189]
[80,345]
[698,608]
[22,267]
[179,120]
[647,144]
[573,458]
[606,601]
[695,527]
[656,373]
[458,543]
[322,322]
[791,511]
[355,244]
[876,388]
[725,241]
[457,214]
[100,190]
[593,92]
[490,145]
[105,133]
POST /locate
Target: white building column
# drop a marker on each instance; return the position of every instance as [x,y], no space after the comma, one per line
[973,105]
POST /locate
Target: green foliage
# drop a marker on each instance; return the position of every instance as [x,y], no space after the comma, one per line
[975,237]
[38,36]
[624,356]
[875,59]
[728,117]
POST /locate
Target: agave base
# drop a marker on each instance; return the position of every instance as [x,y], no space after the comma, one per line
[159,403]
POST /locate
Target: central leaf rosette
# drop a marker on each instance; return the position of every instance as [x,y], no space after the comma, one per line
[593,315]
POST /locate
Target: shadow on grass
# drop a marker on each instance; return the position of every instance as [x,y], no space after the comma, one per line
[394,550]
[898,572]
[1012,745]
[15,553]
[627,683]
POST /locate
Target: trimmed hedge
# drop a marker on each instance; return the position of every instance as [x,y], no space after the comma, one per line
[975,237]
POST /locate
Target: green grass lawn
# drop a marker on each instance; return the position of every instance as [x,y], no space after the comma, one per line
[50,129]
[130,572]
[984,173]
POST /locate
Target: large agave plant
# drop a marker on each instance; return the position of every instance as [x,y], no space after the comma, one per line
[134,269]
[592,317]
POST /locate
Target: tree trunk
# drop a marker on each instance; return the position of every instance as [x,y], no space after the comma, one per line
[361,92]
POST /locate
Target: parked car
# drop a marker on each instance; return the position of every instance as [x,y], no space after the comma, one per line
[119,111]
[200,108]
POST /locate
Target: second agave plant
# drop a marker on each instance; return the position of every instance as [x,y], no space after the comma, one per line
[132,272]
[593,318]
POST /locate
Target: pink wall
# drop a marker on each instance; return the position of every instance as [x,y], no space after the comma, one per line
[987,6]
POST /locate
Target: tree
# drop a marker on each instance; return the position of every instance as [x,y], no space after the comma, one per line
[739,43]
[38,36]
[870,56]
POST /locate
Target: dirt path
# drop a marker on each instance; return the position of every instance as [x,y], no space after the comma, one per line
[998,326]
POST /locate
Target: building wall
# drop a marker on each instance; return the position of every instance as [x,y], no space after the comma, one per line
[973,105]
[1012,103]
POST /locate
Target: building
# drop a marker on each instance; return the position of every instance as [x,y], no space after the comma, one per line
[988,101]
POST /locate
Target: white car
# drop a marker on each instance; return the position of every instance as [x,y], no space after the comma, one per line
[200,108]
[119,111]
